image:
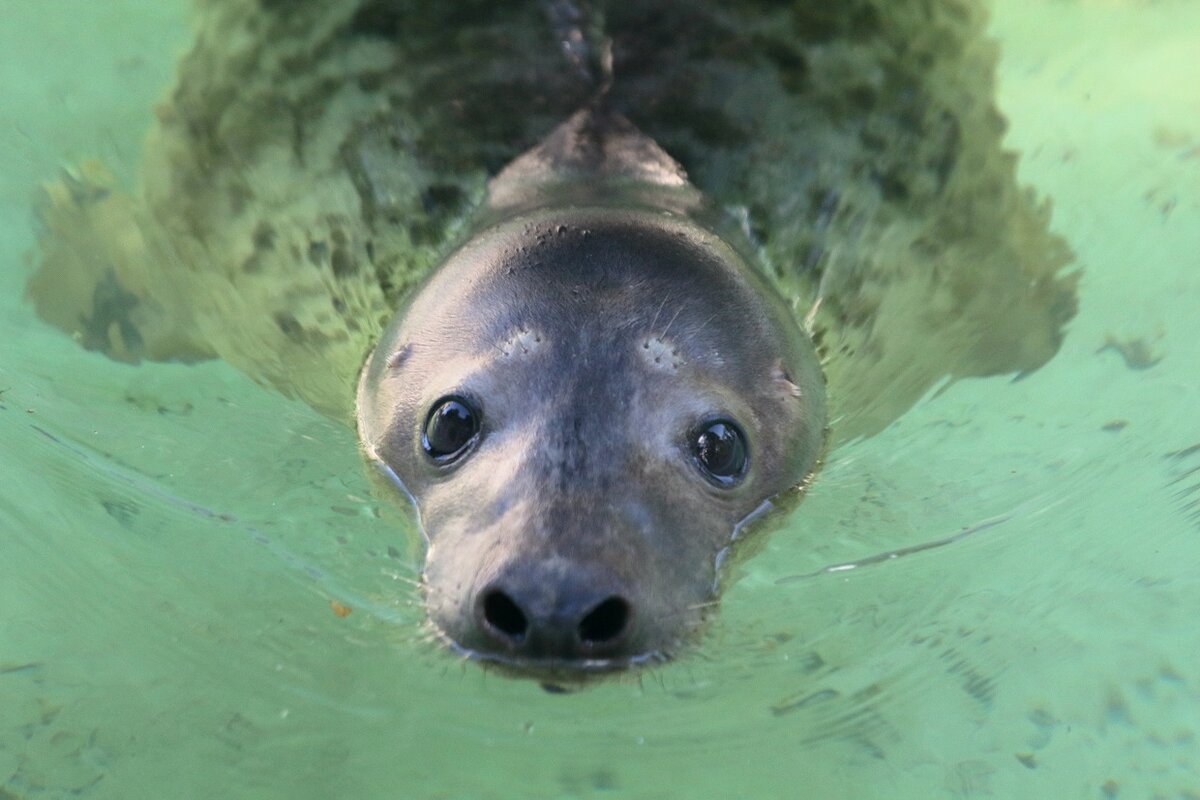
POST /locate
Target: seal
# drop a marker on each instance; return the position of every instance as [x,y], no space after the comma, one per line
[585,402]
[582,371]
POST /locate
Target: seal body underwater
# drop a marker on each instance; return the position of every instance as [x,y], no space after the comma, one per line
[598,347]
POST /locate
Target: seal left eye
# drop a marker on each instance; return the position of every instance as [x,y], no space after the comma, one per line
[452,424]
[719,447]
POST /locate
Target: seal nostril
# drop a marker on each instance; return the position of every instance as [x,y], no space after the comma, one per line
[504,615]
[605,622]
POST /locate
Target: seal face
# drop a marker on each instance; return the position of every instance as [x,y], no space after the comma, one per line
[584,404]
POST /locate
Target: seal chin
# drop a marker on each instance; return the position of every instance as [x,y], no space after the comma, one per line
[554,673]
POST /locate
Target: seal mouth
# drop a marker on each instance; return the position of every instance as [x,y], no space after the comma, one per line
[552,672]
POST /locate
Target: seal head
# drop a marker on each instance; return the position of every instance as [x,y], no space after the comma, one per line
[585,403]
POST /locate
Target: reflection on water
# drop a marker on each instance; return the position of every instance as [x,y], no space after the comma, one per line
[178,546]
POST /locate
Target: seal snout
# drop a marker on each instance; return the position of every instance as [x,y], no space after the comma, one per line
[554,615]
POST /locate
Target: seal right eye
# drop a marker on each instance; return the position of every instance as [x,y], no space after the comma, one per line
[450,428]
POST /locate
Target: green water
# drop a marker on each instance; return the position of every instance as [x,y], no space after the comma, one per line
[171,537]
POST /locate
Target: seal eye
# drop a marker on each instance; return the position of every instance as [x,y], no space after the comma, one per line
[719,447]
[452,424]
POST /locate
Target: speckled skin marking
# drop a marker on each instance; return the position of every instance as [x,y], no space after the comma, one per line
[662,353]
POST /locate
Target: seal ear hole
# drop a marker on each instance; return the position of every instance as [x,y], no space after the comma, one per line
[503,614]
[451,427]
[784,383]
[397,359]
[720,451]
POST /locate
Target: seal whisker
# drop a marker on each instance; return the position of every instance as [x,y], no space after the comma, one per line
[663,335]
[406,580]
[704,324]
[427,639]
[654,320]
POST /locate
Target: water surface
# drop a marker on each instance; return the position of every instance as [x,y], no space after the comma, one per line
[175,540]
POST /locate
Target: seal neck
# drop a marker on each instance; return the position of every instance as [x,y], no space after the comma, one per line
[596,158]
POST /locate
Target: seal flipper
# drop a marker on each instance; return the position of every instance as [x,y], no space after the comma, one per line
[96,276]
[120,278]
